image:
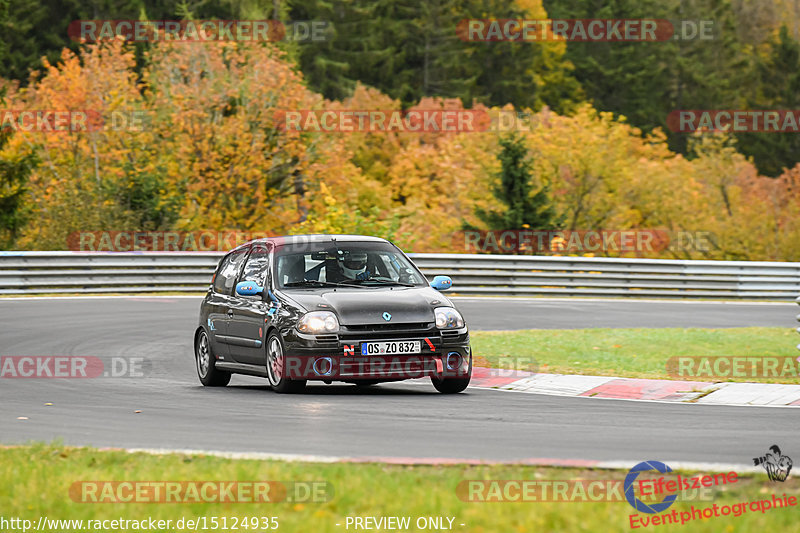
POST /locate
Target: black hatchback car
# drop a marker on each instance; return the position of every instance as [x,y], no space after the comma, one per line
[330,308]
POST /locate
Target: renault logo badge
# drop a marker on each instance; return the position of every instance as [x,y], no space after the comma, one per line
[387,317]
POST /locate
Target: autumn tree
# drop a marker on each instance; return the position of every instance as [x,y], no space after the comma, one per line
[14,174]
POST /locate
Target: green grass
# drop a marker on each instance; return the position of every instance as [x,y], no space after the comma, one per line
[36,481]
[641,353]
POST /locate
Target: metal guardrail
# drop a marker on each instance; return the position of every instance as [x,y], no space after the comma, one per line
[133,272]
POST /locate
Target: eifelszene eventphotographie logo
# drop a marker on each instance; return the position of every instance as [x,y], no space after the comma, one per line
[630,482]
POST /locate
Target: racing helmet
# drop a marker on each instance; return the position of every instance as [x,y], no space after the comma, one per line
[353,264]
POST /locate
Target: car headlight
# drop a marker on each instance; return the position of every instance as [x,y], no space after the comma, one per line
[317,322]
[448,318]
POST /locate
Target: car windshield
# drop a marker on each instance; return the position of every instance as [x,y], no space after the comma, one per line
[349,264]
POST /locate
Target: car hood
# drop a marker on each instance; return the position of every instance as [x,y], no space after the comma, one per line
[367,306]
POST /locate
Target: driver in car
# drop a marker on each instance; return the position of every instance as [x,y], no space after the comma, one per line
[354,265]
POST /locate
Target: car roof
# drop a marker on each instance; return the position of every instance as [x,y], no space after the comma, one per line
[312,238]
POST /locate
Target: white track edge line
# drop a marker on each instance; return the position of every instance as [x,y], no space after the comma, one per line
[635,399]
[566,463]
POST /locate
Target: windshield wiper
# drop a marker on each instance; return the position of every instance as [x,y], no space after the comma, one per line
[385,281]
[314,282]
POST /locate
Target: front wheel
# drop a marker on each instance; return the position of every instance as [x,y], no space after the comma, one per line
[276,367]
[206,367]
[453,385]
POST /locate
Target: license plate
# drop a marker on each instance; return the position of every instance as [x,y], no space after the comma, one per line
[390,348]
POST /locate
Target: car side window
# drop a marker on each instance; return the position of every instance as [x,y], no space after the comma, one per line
[226,276]
[291,268]
[257,266]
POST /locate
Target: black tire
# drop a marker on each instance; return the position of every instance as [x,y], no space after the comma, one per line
[275,367]
[450,385]
[206,364]
[453,385]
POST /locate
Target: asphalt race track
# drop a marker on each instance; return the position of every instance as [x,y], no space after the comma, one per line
[391,420]
[518,313]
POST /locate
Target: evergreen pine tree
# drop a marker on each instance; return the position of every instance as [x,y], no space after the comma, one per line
[779,75]
[522,207]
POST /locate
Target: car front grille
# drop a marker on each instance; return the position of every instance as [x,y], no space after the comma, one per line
[372,332]
[390,327]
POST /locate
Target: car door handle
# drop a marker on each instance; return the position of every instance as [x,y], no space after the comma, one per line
[230,313]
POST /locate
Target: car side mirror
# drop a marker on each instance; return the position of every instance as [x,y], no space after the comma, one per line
[442,283]
[248,288]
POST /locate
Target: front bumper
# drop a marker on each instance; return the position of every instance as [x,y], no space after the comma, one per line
[338,357]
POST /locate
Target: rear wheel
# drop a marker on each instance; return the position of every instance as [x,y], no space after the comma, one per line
[276,367]
[206,367]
